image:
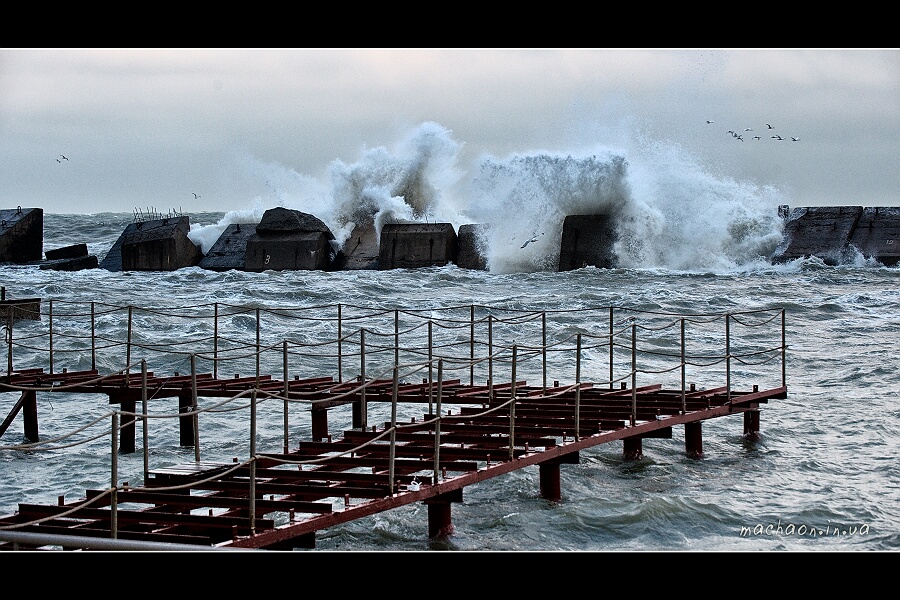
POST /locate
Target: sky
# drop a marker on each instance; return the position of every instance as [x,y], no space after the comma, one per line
[192,130]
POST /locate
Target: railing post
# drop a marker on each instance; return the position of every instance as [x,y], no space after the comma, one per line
[393,450]
[253,462]
[128,349]
[783,353]
[257,347]
[93,340]
[472,345]
[195,417]
[9,342]
[544,345]
[512,408]
[114,477]
[633,374]
[50,330]
[578,388]
[287,390]
[363,409]
[396,337]
[145,419]
[216,340]
[430,366]
[437,423]
[728,356]
[490,357]
[340,341]
[610,347]
[683,372]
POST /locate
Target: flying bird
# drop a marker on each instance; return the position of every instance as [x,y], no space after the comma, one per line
[795,139]
[64,157]
[769,126]
[533,239]
[708,122]
[195,196]
[756,137]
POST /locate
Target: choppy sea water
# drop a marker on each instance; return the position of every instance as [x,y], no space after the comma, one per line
[822,477]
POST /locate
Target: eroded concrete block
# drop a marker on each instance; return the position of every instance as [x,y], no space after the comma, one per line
[21,235]
[820,231]
[469,254]
[416,245]
[155,245]
[877,234]
[230,250]
[587,240]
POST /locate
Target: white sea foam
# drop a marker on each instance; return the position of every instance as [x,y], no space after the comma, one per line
[670,210]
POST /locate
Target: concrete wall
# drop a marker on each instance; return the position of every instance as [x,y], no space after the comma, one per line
[416,245]
[468,253]
[21,235]
[836,233]
[156,245]
[587,240]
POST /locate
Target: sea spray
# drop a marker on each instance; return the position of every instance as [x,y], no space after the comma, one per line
[670,211]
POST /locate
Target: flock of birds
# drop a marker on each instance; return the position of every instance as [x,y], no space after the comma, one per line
[740,136]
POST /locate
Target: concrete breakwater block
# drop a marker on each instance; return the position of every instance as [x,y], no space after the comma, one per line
[21,235]
[230,250]
[288,239]
[416,245]
[587,240]
[818,231]
[69,258]
[877,234]
[154,245]
[469,243]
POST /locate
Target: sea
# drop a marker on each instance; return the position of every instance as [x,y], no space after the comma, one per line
[822,476]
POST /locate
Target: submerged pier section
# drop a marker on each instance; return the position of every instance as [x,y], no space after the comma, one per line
[377,409]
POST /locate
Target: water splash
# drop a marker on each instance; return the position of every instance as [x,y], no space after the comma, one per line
[670,210]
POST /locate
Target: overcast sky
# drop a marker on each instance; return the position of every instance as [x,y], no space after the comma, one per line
[152,127]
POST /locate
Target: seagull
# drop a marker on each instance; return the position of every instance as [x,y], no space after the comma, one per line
[777,137]
[708,122]
[756,137]
[748,129]
[533,239]
[59,161]
[63,156]
[195,196]
[795,139]
[769,126]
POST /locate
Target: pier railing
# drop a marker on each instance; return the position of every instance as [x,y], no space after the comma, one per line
[616,347]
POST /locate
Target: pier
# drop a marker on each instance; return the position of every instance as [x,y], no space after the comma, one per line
[361,410]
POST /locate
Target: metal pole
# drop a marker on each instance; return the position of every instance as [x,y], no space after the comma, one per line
[610,347]
[363,409]
[50,328]
[195,417]
[544,345]
[393,450]
[145,419]
[633,374]
[512,408]
[253,462]
[430,366]
[396,337]
[578,388]
[128,349]
[216,341]
[472,345]
[683,372]
[339,344]
[437,423]
[490,357]
[114,477]
[728,356]
[783,353]
[287,390]
[9,341]
[257,347]
[93,340]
